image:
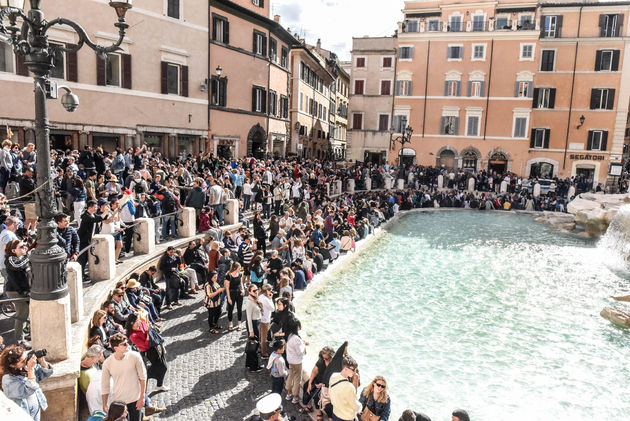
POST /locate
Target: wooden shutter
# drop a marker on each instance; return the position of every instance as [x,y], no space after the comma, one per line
[443,126]
[261,3]
[589,141]
[184,77]
[516,86]
[223,92]
[458,88]
[598,60]
[254,89]
[255,46]
[469,88]
[126,70]
[611,99]
[398,87]
[409,88]
[530,89]
[214,28]
[595,97]
[100,71]
[602,25]
[164,77]
[535,98]
[558,26]
[604,144]
[552,97]
[226,32]
[72,69]
[20,66]
[264,45]
[619,25]
[532,139]
[615,61]
[546,140]
[482,89]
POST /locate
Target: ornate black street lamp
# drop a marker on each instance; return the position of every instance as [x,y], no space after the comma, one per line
[405,137]
[31,41]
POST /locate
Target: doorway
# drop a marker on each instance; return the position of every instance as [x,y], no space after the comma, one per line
[446,159]
[585,176]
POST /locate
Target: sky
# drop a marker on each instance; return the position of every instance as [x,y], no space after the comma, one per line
[335,22]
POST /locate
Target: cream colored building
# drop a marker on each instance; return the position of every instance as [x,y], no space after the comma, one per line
[147,93]
[373,73]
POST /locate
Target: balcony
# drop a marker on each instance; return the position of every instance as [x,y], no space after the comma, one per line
[470,25]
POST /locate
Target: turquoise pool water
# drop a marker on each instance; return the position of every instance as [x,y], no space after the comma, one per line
[490,312]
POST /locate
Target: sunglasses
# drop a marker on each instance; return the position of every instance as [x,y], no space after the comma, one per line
[382,386]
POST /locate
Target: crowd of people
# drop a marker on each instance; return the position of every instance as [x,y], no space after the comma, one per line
[292,228]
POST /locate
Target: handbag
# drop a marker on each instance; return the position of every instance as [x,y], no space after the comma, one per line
[155,339]
[368,415]
[251,346]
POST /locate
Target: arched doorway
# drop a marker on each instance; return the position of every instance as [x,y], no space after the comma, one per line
[471,158]
[257,142]
[498,162]
[446,159]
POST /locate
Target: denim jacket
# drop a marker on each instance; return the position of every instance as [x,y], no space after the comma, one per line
[380,409]
[25,392]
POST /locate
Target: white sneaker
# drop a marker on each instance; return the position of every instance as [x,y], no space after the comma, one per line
[163,388]
[288,397]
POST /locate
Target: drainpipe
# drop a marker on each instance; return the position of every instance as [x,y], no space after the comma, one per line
[209,76]
[566,141]
[268,86]
[391,118]
[426,87]
[485,123]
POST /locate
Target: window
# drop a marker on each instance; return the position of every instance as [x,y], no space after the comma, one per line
[360,62]
[610,25]
[607,60]
[383,122]
[544,98]
[412,26]
[273,49]
[58,70]
[434,25]
[6,58]
[258,100]
[357,121]
[597,140]
[450,125]
[386,87]
[547,62]
[520,126]
[259,3]
[541,170]
[540,139]
[405,53]
[526,22]
[301,107]
[479,52]
[320,111]
[284,107]
[172,8]
[455,52]
[220,29]
[219,91]
[451,88]
[359,85]
[627,132]
[455,24]
[472,125]
[527,51]
[475,88]
[523,89]
[284,56]
[399,123]
[172,78]
[260,44]
[273,103]
[502,22]
[602,99]
[403,88]
[112,72]
[387,62]
[552,26]
[478,23]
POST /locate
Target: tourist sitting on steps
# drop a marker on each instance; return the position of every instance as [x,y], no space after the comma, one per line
[460,415]
[375,400]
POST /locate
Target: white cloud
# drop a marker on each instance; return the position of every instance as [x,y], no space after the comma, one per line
[335,22]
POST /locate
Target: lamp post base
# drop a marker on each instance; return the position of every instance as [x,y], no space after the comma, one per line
[50,327]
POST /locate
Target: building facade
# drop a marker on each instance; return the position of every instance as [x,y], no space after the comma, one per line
[143,94]
[372,84]
[533,88]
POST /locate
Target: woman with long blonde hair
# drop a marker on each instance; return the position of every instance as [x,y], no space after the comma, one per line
[375,401]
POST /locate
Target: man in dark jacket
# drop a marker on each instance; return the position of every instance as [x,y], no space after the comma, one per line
[196,198]
[169,266]
[157,294]
[87,158]
[169,205]
[67,236]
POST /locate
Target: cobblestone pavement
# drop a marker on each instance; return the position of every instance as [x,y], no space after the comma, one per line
[206,373]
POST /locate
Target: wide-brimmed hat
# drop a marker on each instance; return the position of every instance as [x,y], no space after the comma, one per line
[132,283]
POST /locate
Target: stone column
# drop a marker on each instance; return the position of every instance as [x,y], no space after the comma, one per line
[75,288]
[571,192]
[440,181]
[368,183]
[350,186]
[471,184]
[231,217]
[144,236]
[504,187]
[400,184]
[188,218]
[102,263]
[50,327]
[537,190]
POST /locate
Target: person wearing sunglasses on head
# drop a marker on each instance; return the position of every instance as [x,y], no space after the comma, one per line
[18,267]
[375,401]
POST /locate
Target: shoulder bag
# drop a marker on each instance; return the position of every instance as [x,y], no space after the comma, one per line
[367,414]
[155,339]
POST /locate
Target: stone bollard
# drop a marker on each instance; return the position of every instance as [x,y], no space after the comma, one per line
[186,223]
[440,181]
[537,190]
[52,316]
[400,184]
[504,187]
[350,186]
[231,217]
[471,184]
[144,236]
[75,287]
[337,187]
[368,183]
[102,263]
[571,192]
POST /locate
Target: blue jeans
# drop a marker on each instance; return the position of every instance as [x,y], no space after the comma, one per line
[246,199]
[218,210]
[169,221]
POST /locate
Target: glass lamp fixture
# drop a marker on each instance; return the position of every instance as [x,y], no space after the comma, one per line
[16,4]
[121,7]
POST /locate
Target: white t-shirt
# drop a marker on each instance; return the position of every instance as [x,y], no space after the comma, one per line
[217,194]
[127,374]
[6,236]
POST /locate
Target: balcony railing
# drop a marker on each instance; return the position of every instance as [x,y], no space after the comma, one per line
[468,26]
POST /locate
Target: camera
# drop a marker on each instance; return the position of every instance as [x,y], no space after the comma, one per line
[38,354]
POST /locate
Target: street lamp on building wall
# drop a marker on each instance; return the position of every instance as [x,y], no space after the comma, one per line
[30,40]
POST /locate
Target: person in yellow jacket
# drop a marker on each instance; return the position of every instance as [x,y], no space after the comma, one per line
[343,391]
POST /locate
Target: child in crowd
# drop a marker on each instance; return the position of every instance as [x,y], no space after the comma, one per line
[277,366]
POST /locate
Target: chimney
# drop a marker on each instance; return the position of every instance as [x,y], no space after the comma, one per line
[276,18]
[319,44]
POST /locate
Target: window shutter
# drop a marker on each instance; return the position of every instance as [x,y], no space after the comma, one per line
[546,141]
[100,72]
[615,60]
[255,46]
[72,69]
[264,45]
[443,126]
[604,140]
[598,61]
[264,100]
[589,141]
[543,22]
[410,52]
[184,87]
[446,88]
[611,99]
[214,28]
[469,88]
[602,25]
[164,67]
[516,85]
[261,3]
[223,92]
[409,88]
[456,129]
[595,95]
[126,70]
[398,87]
[226,32]
[535,98]
[20,66]
[395,123]
[458,90]
[254,99]
[532,139]
[552,97]
[619,25]
[530,89]
[558,26]
[482,89]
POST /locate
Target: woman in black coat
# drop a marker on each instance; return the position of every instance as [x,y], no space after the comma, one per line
[259,233]
[18,283]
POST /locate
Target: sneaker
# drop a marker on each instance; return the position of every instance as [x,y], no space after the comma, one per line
[151,410]
[256,370]
[162,388]
[289,397]
[295,401]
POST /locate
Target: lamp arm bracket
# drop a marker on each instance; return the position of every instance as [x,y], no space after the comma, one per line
[11,13]
[84,38]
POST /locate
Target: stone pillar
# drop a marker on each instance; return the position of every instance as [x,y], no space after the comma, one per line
[400,184]
[350,186]
[50,327]
[186,223]
[504,187]
[571,192]
[327,189]
[102,264]
[368,183]
[144,236]
[537,190]
[337,189]
[75,287]
[471,184]
[440,181]
[231,217]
